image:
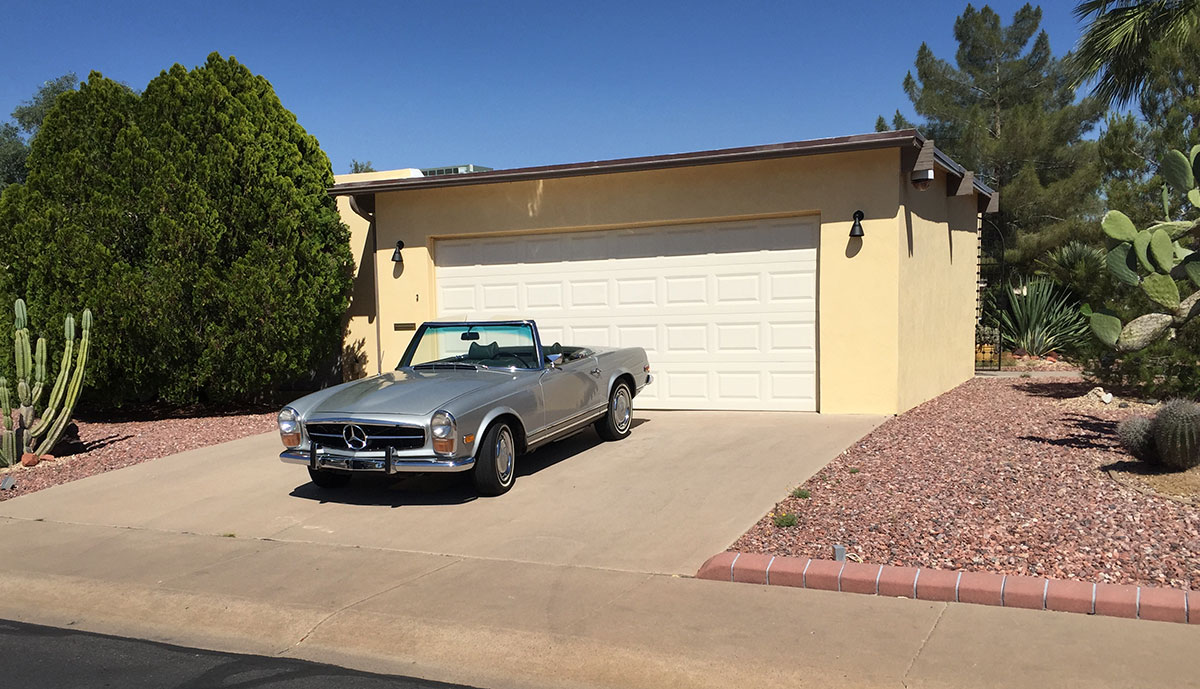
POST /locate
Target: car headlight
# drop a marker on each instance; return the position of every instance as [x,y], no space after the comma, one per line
[289,427]
[443,428]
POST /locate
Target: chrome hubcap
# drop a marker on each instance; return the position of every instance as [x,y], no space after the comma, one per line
[504,455]
[622,410]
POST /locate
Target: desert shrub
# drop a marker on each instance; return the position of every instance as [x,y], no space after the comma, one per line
[194,218]
[1137,438]
[1176,431]
[1039,318]
[1076,266]
[785,520]
[1168,368]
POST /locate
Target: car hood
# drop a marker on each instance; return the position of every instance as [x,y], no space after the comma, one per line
[404,392]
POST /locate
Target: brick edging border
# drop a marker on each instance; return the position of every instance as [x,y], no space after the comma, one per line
[985,588]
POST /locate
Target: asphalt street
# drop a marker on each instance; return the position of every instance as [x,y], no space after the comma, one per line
[37,657]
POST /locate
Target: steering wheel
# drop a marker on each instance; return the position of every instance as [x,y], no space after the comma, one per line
[518,357]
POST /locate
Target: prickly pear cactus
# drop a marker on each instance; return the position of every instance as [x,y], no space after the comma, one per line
[34,430]
[1153,260]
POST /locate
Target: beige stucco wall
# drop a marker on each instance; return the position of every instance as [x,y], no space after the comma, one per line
[938,260]
[860,303]
[361,343]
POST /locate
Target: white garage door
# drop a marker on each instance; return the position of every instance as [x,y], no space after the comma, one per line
[725,311]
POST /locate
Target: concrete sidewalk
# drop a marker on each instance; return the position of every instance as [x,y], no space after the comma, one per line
[496,623]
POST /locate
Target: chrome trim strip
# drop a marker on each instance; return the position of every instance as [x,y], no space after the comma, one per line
[361,420]
[567,424]
[377,464]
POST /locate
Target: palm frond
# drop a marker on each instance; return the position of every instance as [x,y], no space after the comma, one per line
[1115,48]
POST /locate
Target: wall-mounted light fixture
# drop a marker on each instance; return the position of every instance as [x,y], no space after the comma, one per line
[856,228]
[396,256]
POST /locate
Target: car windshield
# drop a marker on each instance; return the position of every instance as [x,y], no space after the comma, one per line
[470,345]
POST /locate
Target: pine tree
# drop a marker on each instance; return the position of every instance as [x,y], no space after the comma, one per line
[1006,109]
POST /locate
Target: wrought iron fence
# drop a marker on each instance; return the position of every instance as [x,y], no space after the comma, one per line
[988,343]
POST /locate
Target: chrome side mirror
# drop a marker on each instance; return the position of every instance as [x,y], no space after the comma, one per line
[555,360]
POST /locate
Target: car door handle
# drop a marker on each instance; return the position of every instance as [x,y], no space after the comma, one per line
[596,372]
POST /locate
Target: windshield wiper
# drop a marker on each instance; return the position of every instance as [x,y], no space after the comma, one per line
[448,365]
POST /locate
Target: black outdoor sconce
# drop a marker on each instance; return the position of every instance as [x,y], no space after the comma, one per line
[398,258]
[856,228]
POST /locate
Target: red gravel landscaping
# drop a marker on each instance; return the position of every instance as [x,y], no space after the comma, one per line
[104,446]
[1001,475]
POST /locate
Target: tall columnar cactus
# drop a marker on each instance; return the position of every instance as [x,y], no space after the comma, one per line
[32,432]
[1154,260]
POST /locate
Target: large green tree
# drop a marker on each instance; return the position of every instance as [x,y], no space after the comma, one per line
[1168,107]
[194,219]
[1007,110]
[14,147]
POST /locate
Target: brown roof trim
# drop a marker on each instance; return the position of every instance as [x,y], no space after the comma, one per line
[909,138]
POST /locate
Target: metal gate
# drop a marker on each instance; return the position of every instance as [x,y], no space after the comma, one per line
[988,344]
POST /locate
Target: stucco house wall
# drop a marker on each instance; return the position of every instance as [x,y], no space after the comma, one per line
[938,257]
[895,308]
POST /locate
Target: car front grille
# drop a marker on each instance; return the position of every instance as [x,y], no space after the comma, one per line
[378,436]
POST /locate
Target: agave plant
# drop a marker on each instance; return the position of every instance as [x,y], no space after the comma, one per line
[1041,318]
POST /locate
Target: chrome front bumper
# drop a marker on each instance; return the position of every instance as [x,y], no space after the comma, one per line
[383,465]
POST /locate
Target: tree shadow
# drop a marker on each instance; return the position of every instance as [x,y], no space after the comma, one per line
[400,490]
[1056,389]
[1091,433]
[74,446]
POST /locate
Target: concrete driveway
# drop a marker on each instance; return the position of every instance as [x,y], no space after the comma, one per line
[682,487]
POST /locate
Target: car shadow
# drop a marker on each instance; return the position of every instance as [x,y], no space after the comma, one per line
[400,490]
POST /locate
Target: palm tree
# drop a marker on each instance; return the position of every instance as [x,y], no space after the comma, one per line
[1116,46]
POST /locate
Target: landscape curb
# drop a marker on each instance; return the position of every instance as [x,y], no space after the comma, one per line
[982,588]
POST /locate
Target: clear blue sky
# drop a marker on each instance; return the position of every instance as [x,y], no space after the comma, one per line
[510,84]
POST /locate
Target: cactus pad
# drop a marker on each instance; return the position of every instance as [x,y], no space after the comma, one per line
[1106,326]
[1141,249]
[1176,169]
[1141,331]
[1162,290]
[1162,250]
[1121,264]
[1118,226]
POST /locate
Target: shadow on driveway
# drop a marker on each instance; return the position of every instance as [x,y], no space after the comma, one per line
[444,489]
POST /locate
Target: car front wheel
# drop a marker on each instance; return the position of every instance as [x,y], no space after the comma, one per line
[495,463]
[329,479]
[617,420]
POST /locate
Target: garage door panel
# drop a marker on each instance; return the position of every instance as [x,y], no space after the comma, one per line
[726,312]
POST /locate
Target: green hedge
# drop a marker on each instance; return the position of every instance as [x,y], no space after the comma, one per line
[193,218]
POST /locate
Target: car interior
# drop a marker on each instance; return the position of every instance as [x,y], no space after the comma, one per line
[495,356]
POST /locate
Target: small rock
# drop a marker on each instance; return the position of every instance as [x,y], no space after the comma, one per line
[29,459]
[1123,405]
[1106,398]
[48,458]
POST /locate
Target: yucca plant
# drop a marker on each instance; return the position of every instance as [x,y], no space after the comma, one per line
[1041,318]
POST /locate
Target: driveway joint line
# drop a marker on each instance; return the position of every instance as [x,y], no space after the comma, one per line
[362,600]
[913,662]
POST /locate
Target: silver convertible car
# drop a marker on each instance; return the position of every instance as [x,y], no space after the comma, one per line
[468,396]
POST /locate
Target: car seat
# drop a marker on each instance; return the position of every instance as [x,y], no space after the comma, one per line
[478,352]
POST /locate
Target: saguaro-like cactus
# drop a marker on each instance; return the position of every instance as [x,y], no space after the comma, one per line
[31,432]
[1153,260]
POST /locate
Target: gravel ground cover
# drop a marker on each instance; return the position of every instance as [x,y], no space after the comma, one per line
[113,444]
[1001,475]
